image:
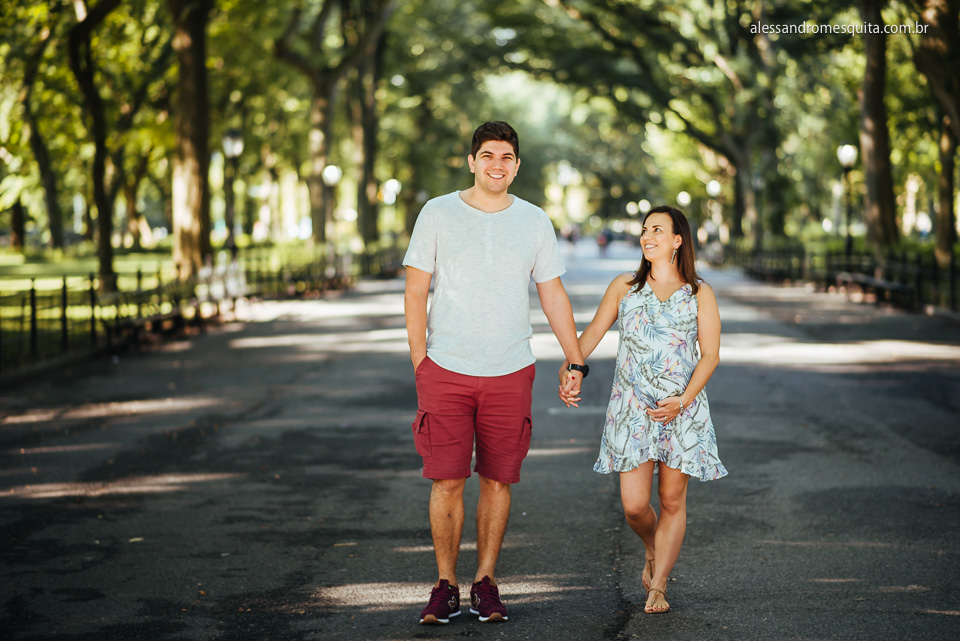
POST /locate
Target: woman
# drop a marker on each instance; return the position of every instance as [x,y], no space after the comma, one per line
[658,415]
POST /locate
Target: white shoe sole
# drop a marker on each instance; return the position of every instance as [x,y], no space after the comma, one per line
[424,621]
[495,618]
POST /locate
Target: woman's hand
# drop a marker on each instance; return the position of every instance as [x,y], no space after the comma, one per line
[666,410]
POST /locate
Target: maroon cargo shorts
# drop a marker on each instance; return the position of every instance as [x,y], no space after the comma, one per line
[454,409]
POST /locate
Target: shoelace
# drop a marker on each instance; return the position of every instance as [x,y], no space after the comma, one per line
[488,595]
[440,597]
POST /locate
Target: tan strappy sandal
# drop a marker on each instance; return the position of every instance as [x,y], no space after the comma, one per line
[647,575]
[652,607]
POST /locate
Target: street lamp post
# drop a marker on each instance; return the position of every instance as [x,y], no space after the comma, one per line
[714,189]
[232,148]
[847,155]
[331,176]
[390,192]
[759,183]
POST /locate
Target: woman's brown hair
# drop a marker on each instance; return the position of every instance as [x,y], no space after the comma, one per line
[686,257]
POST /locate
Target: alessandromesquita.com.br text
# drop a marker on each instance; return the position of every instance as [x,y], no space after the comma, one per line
[862,28]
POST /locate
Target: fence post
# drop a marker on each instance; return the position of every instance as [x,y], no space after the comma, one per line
[935,273]
[953,280]
[64,329]
[34,337]
[93,313]
[919,280]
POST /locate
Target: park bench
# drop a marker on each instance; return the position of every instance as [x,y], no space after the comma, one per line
[130,329]
[769,272]
[125,328]
[898,294]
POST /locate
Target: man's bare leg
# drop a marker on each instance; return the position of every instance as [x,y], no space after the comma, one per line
[446,525]
[493,512]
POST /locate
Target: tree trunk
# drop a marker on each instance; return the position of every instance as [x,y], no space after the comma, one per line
[136,225]
[744,198]
[412,204]
[366,127]
[47,177]
[938,56]
[777,185]
[946,221]
[321,120]
[879,210]
[274,204]
[191,187]
[18,227]
[325,79]
[89,226]
[317,148]
[37,144]
[81,63]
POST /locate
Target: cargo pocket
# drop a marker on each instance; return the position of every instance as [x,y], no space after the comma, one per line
[526,433]
[421,434]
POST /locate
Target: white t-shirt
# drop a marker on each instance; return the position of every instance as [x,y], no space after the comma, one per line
[482,263]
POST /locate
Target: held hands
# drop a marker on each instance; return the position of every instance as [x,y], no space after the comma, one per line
[569,389]
[666,410]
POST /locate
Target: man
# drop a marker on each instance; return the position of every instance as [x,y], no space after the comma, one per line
[471,355]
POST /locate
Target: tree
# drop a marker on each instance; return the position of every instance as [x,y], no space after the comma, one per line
[191,165]
[128,80]
[879,209]
[41,152]
[82,64]
[325,62]
[366,124]
[937,57]
[700,69]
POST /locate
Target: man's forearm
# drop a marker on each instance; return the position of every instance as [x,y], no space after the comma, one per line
[559,314]
[415,314]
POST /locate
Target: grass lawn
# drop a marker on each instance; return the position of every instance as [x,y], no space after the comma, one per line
[16,271]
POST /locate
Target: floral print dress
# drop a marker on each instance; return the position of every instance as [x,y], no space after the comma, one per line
[655,359]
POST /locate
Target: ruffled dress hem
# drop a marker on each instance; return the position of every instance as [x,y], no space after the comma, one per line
[704,473]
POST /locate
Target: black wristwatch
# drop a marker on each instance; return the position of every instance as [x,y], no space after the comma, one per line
[583,369]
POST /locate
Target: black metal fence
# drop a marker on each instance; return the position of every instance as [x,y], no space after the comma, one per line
[909,279]
[40,324]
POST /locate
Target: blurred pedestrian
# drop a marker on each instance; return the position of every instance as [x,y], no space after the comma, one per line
[472,358]
[603,241]
[658,418]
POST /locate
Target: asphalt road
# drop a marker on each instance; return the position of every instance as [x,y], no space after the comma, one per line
[260,482]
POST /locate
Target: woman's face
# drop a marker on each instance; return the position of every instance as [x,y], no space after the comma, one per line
[658,239]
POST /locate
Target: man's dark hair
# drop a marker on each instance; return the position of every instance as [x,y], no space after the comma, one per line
[495,130]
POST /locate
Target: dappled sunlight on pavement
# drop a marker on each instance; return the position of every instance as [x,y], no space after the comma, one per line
[116,408]
[778,352]
[261,481]
[375,597]
[135,485]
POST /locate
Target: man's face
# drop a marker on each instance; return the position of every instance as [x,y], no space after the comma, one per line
[495,166]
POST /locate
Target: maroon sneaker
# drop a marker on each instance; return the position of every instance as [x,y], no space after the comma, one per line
[485,601]
[444,603]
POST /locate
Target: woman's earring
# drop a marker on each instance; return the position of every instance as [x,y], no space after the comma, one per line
[672,258]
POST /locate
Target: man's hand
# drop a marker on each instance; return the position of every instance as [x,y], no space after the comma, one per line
[417,358]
